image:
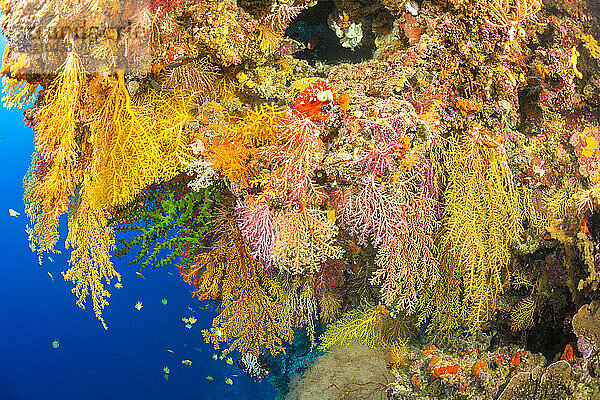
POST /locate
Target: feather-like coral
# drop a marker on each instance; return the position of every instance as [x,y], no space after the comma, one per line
[305,239]
[195,75]
[250,301]
[295,159]
[372,215]
[482,217]
[258,228]
[56,130]
[364,327]
[176,228]
[92,241]
[135,145]
[17,93]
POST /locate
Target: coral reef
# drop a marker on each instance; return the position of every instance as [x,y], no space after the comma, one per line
[352,182]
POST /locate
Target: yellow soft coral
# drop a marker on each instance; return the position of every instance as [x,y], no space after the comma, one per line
[364,327]
[92,240]
[55,137]
[17,93]
[233,160]
[482,217]
[250,301]
[138,144]
[259,127]
[55,174]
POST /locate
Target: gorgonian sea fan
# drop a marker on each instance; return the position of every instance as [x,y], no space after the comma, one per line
[389,139]
[256,225]
[305,239]
[327,277]
[372,214]
[295,160]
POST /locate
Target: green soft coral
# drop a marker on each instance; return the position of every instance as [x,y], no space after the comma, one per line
[176,224]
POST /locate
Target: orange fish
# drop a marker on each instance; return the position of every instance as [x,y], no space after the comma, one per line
[568,353]
[416,381]
[449,369]
[344,102]
[430,350]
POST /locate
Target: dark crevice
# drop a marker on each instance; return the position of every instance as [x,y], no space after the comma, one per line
[311,29]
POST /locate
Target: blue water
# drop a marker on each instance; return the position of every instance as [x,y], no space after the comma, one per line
[125,362]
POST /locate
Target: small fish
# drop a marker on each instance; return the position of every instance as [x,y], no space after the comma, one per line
[209,378]
[568,353]
[170,273]
[186,362]
[138,273]
[185,320]
[215,357]
[170,351]
[191,309]
[118,285]
[192,320]
[189,326]
[229,381]
[229,361]
[50,275]
[13,213]
[138,305]
[312,43]
[166,377]
[344,102]
[50,259]
[55,344]
[164,302]
[415,381]
[221,357]
[166,369]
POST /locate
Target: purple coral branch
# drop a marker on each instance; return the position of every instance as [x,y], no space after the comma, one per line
[371,213]
[328,275]
[295,162]
[257,227]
